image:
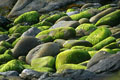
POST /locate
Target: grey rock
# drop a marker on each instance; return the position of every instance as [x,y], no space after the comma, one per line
[46,49]
[72,43]
[97,57]
[56,78]
[3,37]
[60,42]
[9,73]
[73,24]
[72,13]
[24,46]
[11,39]
[4,21]
[29,74]
[110,64]
[84,20]
[31,32]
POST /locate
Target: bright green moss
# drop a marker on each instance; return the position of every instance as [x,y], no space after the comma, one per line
[55,17]
[98,35]
[44,69]
[43,16]
[14,43]
[104,7]
[92,53]
[104,42]
[111,19]
[2,33]
[74,56]
[83,38]
[70,10]
[83,14]
[87,27]
[12,65]
[107,50]
[70,66]
[112,45]
[43,23]
[83,48]
[31,17]
[47,61]
[115,50]
[2,49]
[5,44]
[42,28]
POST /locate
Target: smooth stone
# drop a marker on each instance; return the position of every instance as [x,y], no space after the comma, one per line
[9,73]
[3,37]
[72,13]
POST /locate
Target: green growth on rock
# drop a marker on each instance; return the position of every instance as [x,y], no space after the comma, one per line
[92,53]
[31,17]
[98,35]
[2,49]
[70,10]
[11,66]
[83,38]
[43,23]
[6,44]
[111,19]
[5,57]
[70,66]
[14,43]
[55,17]
[42,28]
[74,56]
[84,14]
[115,50]
[44,69]
[107,50]
[104,7]
[83,48]
[112,45]
[47,61]
[43,16]
[86,27]
[104,42]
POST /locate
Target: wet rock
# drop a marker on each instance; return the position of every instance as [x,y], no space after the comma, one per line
[46,49]
[9,73]
[84,20]
[73,24]
[24,46]
[72,13]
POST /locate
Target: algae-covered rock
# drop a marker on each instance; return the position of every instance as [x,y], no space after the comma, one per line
[74,56]
[83,38]
[14,43]
[55,17]
[112,45]
[107,50]
[42,28]
[11,66]
[87,27]
[2,49]
[70,10]
[83,48]
[5,57]
[106,6]
[47,61]
[98,35]
[71,43]
[70,66]
[111,19]
[104,42]
[42,23]
[30,17]
[84,20]
[5,44]
[84,14]
[43,16]
[44,69]
[58,33]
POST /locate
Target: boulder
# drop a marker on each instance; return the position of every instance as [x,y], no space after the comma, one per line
[84,20]
[24,46]
[9,73]
[46,49]
[3,37]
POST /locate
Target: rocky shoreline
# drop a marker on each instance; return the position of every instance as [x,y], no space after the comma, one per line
[80,43]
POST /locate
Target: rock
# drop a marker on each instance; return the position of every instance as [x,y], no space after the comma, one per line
[97,57]
[30,17]
[31,5]
[74,56]
[89,5]
[46,49]
[95,37]
[95,18]
[24,46]
[9,73]
[73,24]
[72,13]
[106,20]
[47,61]
[109,64]
[56,78]
[11,39]
[31,32]
[86,28]
[104,42]
[70,10]
[71,43]
[29,74]
[64,18]
[60,42]
[84,14]
[84,20]
[3,37]
[12,78]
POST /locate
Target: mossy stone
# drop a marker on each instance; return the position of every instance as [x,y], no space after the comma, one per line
[42,28]
[70,66]
[43,16]
[112,45]
[83,48]
[12,65]
[115,50]
[104,42]
[104,7]
[2,49]
[70,10]
[107,50]
[92,53]
[43,23]
[83,38]
[74,56]
[14,43]
[30,17]
[6,44]
[44,69]
[98,35]
[47,61]
[111,19]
